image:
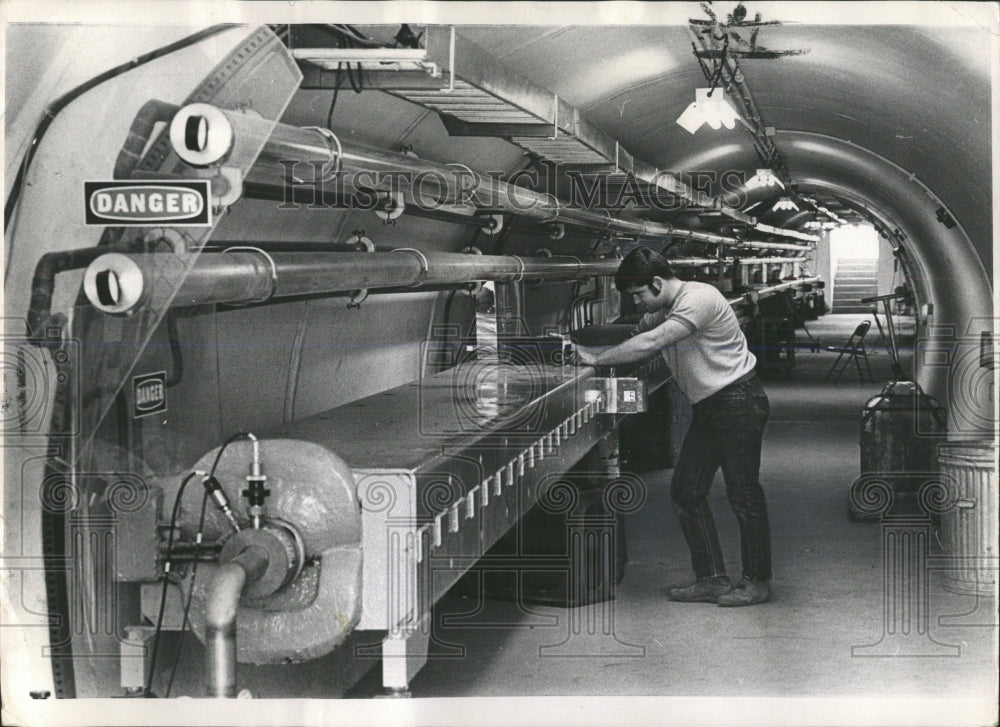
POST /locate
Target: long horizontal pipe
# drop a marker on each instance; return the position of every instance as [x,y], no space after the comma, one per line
[746,262]
[774,246]
[771,290]
[771,260]
[118,283]
[328,198]
[295,157]
[760,227]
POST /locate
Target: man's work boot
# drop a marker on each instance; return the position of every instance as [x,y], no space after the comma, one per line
[704,590]
[746,593]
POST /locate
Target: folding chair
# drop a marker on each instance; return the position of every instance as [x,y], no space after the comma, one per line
[853,350]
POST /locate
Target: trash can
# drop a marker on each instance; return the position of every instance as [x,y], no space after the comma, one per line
[900,428]
[969,528]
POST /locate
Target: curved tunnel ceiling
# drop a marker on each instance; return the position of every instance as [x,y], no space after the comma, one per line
[891,122]
[919,96]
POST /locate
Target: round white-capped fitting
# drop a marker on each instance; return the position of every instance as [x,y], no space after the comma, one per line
[113,283]
[201,134]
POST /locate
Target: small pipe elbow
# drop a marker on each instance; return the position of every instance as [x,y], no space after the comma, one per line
[224,594]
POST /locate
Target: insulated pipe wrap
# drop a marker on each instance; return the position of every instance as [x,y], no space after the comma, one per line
[312,491]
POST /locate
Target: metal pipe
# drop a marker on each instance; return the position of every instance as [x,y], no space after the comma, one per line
[118,283]
[331,199]
[771,290]
[774,246]
[681,262]
[223,597]
[771,260]
[760,227]
[295,158]
[44,280]
[217,246]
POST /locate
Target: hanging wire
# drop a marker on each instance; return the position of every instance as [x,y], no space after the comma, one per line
[187,606]
[53,109]
[166,582]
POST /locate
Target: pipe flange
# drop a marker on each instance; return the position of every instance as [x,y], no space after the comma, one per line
[285,556]
[425,265]
[114,283]
[336,157]
[270,260]
[391,208]
[520,272]
[178,241]
[357,298]
[474,288]
[557,207]
[201,135]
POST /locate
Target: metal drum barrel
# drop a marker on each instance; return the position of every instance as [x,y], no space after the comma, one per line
[969,529]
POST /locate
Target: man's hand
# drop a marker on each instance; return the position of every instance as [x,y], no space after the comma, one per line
[584,356]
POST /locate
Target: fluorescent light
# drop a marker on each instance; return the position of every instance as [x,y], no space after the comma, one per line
[710,107]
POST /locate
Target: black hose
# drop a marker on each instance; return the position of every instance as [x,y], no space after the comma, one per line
[44,280]
[232,438]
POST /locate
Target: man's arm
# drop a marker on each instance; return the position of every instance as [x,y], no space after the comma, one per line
[636,348]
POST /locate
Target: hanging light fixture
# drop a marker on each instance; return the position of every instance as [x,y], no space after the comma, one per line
[764,178]
[785,203]
[710,106]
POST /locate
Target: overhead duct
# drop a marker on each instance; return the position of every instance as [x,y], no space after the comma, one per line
[476,94]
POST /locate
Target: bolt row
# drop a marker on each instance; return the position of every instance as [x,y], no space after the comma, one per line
[492,486]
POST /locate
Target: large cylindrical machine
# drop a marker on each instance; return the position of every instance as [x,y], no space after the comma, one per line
[308,599]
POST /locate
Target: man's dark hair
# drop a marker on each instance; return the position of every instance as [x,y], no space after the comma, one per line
[640,267]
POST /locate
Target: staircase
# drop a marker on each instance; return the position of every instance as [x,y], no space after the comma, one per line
[855,279]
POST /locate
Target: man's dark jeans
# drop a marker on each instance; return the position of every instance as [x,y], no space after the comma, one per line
[726,430]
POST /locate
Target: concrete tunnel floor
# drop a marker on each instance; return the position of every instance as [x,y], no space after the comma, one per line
[827,588]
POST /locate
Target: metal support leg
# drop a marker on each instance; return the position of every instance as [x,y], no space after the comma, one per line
[403,654]
[133,659]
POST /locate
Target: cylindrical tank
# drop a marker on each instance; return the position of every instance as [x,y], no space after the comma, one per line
[969,527]
[900,430]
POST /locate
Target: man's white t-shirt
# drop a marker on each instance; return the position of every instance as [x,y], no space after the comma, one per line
[715,354]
